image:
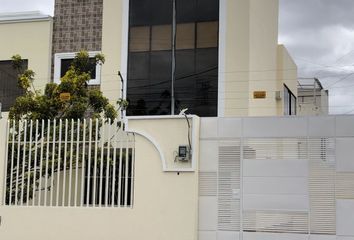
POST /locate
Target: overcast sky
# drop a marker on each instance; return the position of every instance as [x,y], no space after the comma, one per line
[319,35]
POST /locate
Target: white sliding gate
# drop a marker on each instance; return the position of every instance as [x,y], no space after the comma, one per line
[276,178]
[69,163]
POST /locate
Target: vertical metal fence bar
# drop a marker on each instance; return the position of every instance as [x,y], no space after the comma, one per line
[59,163]
[23,162]
[71,160]
[88,179]
[101,163]
[120,171]
[83,164]
[29,163]
[18,160]
[41,165]
[132,174]
[126,171]
[65,159]
[77,162]
[53,159]
[114,165]
[95,167]
[101,184]
[108,161]
[6,161]
[46,164]
[35,164]
[12,159]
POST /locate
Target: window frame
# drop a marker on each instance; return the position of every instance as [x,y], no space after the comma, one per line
[71,55]
[290,111]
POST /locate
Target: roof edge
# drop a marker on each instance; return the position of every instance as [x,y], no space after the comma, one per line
[29,16]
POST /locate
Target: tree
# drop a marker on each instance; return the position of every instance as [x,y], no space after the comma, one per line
[81,102]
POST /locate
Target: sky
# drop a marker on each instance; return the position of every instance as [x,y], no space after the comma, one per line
[319,35]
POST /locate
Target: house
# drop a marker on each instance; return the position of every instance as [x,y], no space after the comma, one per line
[312,98]
[27,34]
[226,60]
[234,167]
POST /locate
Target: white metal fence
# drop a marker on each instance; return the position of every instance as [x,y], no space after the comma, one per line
[69,163]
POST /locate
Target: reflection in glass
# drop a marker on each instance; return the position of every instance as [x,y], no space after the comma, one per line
[150,57]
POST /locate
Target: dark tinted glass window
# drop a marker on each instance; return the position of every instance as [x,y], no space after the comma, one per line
[186,11]
[185,84]
[66,63]
[207,10]
[161,12]
[150,57]
[9,89]
[139,12]
[149,84]
[293,105]
[289,102]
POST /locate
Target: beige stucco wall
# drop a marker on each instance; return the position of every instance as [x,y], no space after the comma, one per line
[168,133]
[263,55]
[112,35]
[165,203]
[236,57]
[253,59]
[287,74]
[32,40]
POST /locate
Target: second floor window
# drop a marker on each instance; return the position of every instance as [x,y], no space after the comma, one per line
[289,102]
[173,57]
[9,89]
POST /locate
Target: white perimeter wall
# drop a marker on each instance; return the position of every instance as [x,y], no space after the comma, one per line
[294,178]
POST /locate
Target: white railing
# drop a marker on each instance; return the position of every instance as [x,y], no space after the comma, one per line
[69,163]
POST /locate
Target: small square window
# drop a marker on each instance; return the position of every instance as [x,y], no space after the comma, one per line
[66,63]
[62,62]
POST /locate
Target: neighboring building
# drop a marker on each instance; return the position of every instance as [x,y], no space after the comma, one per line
[27,34]
[312,98]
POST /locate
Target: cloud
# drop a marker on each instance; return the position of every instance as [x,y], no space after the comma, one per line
[319,35]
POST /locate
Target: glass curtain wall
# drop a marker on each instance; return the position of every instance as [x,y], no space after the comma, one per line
[154,51]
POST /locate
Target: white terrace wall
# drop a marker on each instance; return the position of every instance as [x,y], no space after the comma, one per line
[277,178]
[165,199]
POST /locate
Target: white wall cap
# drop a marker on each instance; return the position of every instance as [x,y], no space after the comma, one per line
[29,16]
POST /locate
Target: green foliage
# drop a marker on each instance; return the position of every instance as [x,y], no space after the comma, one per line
[123,103]
[84,102]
